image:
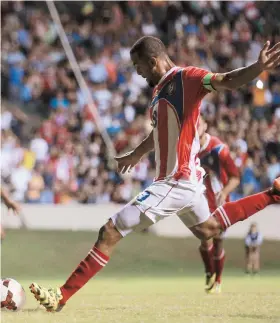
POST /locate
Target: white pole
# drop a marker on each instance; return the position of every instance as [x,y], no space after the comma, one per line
[80,79]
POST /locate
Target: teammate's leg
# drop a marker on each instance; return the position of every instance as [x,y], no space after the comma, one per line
[213,256]
[206,250]
[128,219]
[219,260]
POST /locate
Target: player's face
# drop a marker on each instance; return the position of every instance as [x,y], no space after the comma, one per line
[146,68]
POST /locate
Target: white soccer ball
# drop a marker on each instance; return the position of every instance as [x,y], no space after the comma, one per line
[12,294]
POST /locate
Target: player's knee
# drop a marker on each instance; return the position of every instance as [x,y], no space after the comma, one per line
[218,239]
[209,232]
[206,235]
[127,218]
[214,229]
[206,244]
[109,234]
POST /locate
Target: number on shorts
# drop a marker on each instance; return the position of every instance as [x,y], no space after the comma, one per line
[143,196]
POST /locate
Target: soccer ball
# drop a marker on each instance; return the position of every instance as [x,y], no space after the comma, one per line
[12,294]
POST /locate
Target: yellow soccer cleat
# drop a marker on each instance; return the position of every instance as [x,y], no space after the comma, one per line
[210,282]
[216,289]
[49,298]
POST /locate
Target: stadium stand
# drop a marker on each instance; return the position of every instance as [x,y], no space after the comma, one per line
[51,150]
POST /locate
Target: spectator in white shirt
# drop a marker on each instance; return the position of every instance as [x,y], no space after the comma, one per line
[40,147]
[273,169]
[20,178]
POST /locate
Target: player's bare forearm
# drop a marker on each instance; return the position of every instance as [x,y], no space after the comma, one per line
[269,59]
[236,78]
[130,159]
[146,145]
[9,202]
[232,184]
[5,197]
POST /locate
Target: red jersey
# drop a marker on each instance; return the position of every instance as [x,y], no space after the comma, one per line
[174,112]
[216,160]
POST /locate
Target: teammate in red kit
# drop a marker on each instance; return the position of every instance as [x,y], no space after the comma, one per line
[178,188]
[222,178]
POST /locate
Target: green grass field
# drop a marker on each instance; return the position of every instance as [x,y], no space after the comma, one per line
[149,279]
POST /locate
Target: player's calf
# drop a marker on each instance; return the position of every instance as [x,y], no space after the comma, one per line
[108,237]
[97,258]
[121,224]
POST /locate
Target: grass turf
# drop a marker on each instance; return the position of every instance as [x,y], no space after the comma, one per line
[149,279]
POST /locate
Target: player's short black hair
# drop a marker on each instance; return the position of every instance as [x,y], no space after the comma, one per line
[148,46]
[203,117]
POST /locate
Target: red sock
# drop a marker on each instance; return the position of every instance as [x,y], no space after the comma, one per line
[240,210]
[219,265]
[207,257]
[87,268]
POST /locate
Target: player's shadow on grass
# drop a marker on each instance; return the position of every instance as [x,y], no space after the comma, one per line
[30,310]
[113,308]
[255,316]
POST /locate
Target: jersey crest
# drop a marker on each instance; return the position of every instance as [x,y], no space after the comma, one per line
[171,88]
[154,119]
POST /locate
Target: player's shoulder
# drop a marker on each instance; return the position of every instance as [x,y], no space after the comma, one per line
[191,71]
[155,91]
[215,140]
[217,144]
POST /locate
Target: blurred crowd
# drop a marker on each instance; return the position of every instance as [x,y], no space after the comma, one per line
[61,157]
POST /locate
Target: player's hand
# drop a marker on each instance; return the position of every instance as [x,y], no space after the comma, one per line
[269,59]
[14,206]
[220,198]
[127,161]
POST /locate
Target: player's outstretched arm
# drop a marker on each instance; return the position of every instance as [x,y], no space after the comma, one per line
[9,202]
[232,173]
[146,145]
[268,60]
[130,159]
[231,185]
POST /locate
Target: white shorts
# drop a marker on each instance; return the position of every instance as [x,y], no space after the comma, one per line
[160,200]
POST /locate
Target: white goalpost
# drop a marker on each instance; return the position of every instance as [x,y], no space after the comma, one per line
[80,79]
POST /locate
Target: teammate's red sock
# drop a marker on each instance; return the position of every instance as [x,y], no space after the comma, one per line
[240,210]
[207,257]
[87,268]
[219,265]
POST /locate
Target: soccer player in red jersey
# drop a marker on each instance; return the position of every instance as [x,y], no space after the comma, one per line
[222,178]
[178,188]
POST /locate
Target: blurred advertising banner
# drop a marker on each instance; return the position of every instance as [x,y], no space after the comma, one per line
[91,217]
